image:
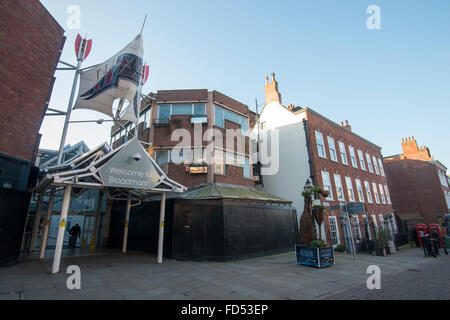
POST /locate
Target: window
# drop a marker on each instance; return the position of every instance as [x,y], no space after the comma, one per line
[388,197]
[380,164]
[375,192]
[222,114]
[351,193]
[246,168]
[334,232]
[383,198]
[181,109]
[380,216]
[164,112]
[375,165]
[368,192]
[361,160]
[359,189]
[375,223]
[343,153]
[339,189]
[320,145]
[353,157]
[356,228]
[369,163]
[219,162]
[332,149]
[367,226]
[145,118]
[199,109]
[218,117]
[162,159]
[327,184]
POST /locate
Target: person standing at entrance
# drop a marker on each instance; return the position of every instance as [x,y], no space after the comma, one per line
[74,232]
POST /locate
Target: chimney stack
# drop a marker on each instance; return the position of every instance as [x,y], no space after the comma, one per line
[271,91]
[346,126]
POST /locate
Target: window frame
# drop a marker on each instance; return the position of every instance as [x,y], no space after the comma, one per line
[362,162]
[350,191]
[339,186]
[352,151]
[319,134]
[342,151]
[330,141]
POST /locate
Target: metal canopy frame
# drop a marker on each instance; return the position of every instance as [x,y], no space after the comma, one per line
[82,173]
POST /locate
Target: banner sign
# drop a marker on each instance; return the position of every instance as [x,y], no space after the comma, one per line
[130,168]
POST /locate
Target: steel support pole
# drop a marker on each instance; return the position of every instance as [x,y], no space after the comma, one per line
[69,111]
[61,229]
[47,224]
[125,231]
[161,227]
[37,218]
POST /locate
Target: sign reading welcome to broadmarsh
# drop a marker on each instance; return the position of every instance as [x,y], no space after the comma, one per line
[130,168]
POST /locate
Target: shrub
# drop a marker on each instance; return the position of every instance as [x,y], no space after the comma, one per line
[340,248]
[318,244]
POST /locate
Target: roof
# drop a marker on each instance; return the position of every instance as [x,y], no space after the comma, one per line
[307,109]
[411,216]
[223,191]
[84,173]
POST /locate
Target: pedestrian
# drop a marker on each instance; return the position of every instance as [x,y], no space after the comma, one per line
[74,232]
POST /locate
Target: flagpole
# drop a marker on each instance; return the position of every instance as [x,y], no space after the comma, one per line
[69,107]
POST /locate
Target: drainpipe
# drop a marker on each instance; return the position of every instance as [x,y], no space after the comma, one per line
[308,145]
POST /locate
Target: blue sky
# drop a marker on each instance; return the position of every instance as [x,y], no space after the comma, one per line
[390,83]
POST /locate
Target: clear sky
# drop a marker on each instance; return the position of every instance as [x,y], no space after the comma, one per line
[390,83]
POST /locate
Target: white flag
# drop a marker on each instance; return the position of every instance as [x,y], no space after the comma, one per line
[118,77]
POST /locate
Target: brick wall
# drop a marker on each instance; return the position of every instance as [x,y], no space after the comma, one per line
[318,164]
[416,188]
[30,43]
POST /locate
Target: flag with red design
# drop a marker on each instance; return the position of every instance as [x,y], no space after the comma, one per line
[118,77]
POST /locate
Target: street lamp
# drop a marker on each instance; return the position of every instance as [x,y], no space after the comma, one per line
[308,186]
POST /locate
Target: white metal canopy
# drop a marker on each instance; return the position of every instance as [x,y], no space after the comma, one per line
[103,168]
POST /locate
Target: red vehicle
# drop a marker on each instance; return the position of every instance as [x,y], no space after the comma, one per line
[435,227]
[421,230]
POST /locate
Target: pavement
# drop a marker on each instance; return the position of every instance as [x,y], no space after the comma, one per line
[406,274]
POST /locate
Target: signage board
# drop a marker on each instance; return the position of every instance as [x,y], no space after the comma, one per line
[315,257]
[336,207]
[198,169]
[130,168]
[356,207]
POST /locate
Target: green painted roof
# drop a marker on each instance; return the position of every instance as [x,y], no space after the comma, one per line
[230,192]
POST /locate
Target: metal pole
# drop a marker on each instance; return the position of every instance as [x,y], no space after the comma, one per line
[94,237]
[37,218]
[47,224]
[69,108]
[125,231]
[61,229]
[161,227]
[351,235]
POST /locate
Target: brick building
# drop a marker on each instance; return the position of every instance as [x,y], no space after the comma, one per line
[205,156]
[332,157]
[30,46]
[419,185]
[200,139]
